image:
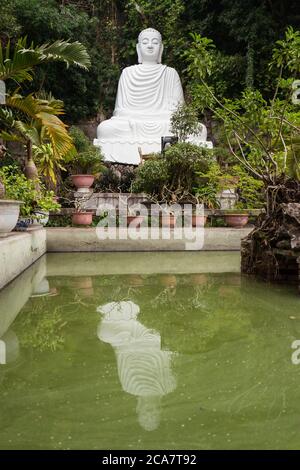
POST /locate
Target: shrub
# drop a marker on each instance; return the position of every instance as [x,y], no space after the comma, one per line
[171,177]
[19,188]
[88,159]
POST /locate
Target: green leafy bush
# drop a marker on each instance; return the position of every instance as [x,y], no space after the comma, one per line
[185,122]
[19,188]
[173,175]
[151,177]
[250,190]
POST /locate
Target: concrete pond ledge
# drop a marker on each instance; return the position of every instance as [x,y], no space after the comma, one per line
[80,265]
[18,251]
[86,240]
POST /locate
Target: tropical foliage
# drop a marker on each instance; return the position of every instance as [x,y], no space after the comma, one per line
[263,135]
[243,32]
[32,119]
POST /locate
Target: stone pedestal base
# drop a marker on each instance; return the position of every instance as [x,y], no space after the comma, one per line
[128,152]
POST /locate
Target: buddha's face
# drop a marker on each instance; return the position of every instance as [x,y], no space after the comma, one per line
[149,48]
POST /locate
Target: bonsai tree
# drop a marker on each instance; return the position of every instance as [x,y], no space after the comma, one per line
[173,176]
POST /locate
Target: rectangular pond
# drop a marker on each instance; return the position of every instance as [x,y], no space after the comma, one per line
[148,351]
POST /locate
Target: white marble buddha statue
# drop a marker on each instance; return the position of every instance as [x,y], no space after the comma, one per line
[148,94]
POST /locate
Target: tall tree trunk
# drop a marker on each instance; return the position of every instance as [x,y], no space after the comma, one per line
[114,25]
[250,66]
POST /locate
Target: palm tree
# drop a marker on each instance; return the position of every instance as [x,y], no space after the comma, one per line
[33,119]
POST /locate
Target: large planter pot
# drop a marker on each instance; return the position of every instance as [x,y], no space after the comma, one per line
[135,221]
[168,220]
[236,220]
[199,220]
[83,182]
[9,214]
[82,218]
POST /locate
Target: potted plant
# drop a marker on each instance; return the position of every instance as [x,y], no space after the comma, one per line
[87,163]
[46,203]
[19,195]
[81,216]
[134,218]
[167,218]
[249,192]
[236,218]
[215,187]
[24,198]
[199,218]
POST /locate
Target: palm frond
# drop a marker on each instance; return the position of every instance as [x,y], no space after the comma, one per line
[28,131]
[11,137]
[14,64]
[18,63]
[72,53]
[57,133]
[28,105]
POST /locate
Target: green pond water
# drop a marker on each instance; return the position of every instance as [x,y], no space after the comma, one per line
[147,351]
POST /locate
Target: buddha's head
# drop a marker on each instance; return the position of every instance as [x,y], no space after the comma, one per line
[149,47]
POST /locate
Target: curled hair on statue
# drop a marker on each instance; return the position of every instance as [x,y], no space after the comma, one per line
[149,30]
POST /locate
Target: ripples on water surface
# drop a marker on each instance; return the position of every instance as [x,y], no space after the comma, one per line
[118,351]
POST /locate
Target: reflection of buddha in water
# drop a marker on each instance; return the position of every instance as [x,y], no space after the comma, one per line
[144,369]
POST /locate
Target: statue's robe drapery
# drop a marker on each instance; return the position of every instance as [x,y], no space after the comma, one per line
[146,98]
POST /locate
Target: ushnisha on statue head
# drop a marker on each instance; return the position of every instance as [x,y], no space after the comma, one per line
[149,47]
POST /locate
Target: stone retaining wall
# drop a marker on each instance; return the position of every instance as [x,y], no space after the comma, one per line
[18,251]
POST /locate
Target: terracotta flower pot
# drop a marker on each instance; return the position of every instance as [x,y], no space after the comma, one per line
[135,221]
[82,218]
[83,182]
[236,220]
[199,220]
[168,220]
